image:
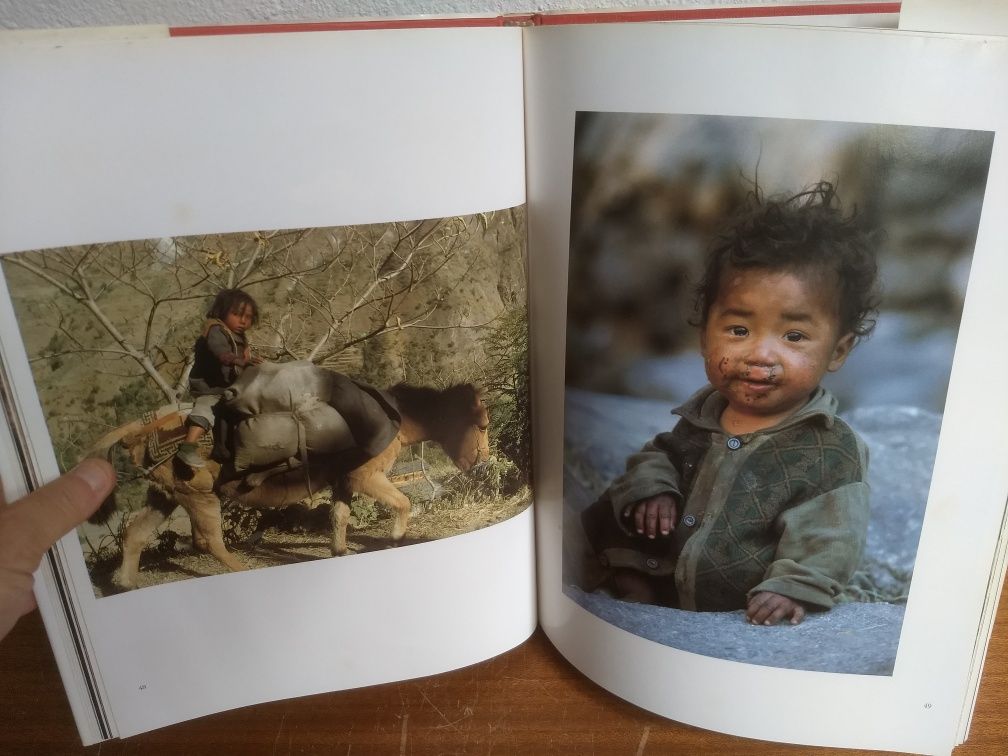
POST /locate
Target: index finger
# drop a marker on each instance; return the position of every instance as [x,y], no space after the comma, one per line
[30,525]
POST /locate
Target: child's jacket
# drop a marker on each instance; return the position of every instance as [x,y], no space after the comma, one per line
[216,352]
[784,509]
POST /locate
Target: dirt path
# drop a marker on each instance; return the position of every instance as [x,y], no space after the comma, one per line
[282,544]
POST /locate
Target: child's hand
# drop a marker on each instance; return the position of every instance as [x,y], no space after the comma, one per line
[252,359]
[652,516]
[768,608]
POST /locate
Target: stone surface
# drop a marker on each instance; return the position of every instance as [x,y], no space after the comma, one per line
[860,638]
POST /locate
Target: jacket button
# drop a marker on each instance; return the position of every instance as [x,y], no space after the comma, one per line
[734,443]
[652,564]
[689,521]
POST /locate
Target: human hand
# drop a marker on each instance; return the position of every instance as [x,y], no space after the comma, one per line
[769,608]
[653,515]
[30,525]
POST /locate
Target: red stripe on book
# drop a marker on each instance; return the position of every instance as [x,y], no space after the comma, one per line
[712,14]
[545,19]
[391,23]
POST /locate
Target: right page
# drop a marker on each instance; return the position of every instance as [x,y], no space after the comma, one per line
[766,265]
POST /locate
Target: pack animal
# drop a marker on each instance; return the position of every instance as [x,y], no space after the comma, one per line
[455,418]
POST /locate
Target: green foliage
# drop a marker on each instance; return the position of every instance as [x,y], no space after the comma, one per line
[498,479]
[102,555]
[239,523]
[363,512]
[507,383]
[135,398]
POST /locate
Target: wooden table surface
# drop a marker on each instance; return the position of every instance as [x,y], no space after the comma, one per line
[527,701]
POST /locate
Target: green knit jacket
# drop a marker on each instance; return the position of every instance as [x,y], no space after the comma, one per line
[784,509]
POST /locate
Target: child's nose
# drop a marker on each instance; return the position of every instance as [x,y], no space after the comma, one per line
[762,353]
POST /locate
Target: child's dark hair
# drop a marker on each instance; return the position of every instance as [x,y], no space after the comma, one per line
[804,232]
[232,300]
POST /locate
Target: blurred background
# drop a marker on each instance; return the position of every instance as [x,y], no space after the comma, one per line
[650,190]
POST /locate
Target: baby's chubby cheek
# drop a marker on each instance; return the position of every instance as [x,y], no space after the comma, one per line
[718,368]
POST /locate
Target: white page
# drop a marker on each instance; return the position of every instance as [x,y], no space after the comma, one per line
[108,138]
[846,76]
[964,17]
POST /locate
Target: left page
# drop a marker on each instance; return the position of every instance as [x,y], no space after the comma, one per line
[364,192]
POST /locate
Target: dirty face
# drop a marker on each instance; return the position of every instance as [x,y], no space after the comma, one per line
[769,339]
[239,319]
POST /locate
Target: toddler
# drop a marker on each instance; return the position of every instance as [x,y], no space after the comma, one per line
[221,352]
[757,498]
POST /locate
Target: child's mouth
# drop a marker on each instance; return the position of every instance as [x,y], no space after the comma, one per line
[757,387]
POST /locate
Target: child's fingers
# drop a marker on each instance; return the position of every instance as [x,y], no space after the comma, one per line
[770,613]
[798,614]
[758,608]
[651,519]
[666,517]
[653,516]
[645,518]
[768,608]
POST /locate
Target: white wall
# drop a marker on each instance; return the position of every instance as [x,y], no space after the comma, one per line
[44,14]
[41,14]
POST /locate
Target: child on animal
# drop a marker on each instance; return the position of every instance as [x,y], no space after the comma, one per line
[221,352]
[757,498]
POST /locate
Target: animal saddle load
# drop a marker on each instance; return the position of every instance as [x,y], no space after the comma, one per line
[285,411]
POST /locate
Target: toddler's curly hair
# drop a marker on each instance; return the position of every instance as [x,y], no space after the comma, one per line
[806,234]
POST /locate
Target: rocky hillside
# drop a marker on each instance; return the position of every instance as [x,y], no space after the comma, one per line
[109,328]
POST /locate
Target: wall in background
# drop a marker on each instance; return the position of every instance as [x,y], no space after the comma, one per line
[44,14]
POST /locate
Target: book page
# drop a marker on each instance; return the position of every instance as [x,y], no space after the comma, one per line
[364,192]
[984,17]
[650,148]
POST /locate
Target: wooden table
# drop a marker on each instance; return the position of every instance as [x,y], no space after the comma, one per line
[528,701]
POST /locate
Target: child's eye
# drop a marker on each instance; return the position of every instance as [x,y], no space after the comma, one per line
[794,336]
[738,331]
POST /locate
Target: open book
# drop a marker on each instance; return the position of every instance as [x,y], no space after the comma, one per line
[524,210]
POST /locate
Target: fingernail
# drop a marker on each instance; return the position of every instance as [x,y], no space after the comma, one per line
[95,474]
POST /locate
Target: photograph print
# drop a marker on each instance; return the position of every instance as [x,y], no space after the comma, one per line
[279,396]
[762,316]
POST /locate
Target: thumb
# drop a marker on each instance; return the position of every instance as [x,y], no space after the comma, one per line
[30,525]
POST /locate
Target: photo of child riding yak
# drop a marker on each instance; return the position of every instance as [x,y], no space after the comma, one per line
[274,397]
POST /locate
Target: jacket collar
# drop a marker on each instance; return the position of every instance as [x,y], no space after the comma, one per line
[704,409]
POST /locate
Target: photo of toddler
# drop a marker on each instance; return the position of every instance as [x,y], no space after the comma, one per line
[757,499]
[762,316]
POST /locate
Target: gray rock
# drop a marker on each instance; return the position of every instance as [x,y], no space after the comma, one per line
[902,442]
[858,638]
